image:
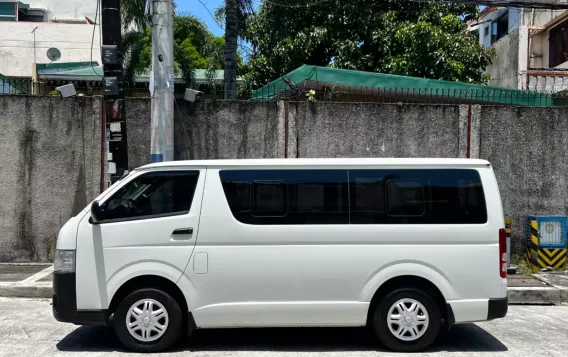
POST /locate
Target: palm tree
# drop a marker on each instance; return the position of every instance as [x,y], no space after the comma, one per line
[235,12]
[136,43]
[133,12]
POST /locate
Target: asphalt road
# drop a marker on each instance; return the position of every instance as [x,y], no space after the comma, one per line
[28,329]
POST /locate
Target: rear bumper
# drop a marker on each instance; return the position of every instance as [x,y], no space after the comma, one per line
[65,303]
[497,308]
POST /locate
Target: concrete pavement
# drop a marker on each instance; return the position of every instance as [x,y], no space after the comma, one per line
[28,329]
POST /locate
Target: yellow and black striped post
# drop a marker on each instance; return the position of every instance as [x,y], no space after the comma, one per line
[540,257]
[532,249]
[552,257]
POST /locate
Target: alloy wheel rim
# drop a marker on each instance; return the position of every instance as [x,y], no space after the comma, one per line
[408,319]
[147,320]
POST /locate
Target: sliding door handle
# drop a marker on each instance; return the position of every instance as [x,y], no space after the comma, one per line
[183,231]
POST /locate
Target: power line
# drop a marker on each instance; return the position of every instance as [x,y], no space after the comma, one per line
[210,14]
[93,37]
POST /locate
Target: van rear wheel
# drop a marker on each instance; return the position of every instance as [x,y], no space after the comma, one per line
[407,320]
[148,320]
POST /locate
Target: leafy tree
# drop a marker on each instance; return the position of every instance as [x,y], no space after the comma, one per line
[234,12]
[194,48]
[391,36]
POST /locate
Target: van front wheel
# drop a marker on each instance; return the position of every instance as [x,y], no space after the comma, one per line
[407,320]
[148,320]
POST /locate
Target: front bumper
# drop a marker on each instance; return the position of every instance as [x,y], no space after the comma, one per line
[65,303]
[497,308]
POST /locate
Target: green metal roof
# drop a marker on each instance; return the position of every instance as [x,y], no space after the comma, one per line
[366,82]
[7,86]
[84,71]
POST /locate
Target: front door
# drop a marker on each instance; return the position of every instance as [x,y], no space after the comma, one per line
[148,226]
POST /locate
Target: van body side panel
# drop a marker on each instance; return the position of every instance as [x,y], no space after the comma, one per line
[282,314]
[268,269]
[470,310]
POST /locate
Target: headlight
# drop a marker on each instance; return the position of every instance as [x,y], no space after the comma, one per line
[64,261]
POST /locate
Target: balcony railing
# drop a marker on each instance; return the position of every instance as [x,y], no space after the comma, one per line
[546,80]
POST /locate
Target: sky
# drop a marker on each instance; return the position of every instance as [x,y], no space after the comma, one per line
[195,8]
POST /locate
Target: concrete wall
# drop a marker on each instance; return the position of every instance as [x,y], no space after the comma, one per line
[210,130]
[504,70]
[527,148]
[66,10]
[49,169]
[374,130]
[17,44]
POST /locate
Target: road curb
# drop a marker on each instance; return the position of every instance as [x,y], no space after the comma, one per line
[43,290]
[517,296]
[536,296]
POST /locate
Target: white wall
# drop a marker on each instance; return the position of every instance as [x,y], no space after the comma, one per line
[66,9]
[17,45]
[483,39]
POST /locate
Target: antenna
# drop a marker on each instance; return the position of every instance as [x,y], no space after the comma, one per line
[53,54]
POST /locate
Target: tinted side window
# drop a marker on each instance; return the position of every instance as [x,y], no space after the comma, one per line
[287,196]
[152,195]
[416,196]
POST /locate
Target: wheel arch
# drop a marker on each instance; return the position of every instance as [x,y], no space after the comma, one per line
[407,281]
[148,281]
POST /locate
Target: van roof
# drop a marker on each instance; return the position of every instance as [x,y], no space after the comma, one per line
[320,162]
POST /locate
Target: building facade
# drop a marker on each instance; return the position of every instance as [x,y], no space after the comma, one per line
[531,47]
[65,25]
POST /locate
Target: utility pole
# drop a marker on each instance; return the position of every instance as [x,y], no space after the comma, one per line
[113,86]
[162,81]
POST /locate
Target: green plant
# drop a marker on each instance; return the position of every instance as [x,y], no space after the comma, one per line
[521,264]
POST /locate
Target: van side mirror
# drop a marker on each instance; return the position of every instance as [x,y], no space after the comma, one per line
[95,212]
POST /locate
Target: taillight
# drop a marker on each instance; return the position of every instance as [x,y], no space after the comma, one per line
[502,253]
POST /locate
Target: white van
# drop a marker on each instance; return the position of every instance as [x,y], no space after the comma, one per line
[405,246]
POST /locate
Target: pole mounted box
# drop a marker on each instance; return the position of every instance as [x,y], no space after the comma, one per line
[110,54]
[110,86]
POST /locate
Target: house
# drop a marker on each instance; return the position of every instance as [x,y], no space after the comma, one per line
[531,47]
[58,24]
[342,85]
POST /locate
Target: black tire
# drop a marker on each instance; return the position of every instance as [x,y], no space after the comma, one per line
[381,328]
[173,329]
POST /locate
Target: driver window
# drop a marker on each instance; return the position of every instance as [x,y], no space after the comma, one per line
[155,194]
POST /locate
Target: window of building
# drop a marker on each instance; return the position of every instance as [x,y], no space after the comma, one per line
[558,45]
[416,196]
[152,195]
[486,31]
[499,27]
[287,196]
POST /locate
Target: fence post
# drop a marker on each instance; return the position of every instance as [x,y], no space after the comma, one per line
[508,235]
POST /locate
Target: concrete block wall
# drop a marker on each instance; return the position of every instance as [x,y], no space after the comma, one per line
[49,169]
[528,148]
[209,130]
[375,130]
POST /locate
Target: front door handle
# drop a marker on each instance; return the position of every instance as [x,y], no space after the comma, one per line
[183,231]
